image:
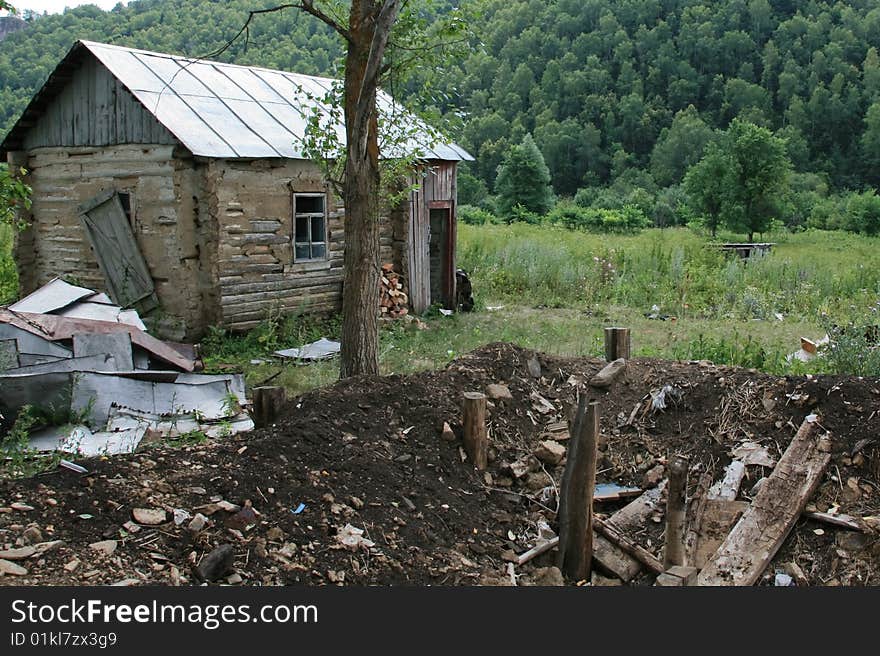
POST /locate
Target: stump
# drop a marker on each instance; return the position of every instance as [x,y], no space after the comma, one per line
[617,343]
[476,433]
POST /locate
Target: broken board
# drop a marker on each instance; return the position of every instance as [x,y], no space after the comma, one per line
[748,549]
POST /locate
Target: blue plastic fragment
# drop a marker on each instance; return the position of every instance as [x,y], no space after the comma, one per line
[299,509]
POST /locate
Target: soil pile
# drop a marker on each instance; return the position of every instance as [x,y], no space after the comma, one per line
[356,483]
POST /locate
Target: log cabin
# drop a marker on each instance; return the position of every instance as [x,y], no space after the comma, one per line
[180,187]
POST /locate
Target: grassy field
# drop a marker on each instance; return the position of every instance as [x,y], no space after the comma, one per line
[554,290]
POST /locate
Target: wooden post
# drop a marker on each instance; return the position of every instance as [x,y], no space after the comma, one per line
[575,556]
[476,434]
[268,402]
[617,344]
[676,509]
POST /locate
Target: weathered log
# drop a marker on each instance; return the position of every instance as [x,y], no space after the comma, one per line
[268,402]
[617,344]
[745,553]
[676,509]
[576,494]
[613,534]
[476,434]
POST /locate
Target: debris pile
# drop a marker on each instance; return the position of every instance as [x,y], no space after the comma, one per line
[393,301]
[100,381]
[367,482]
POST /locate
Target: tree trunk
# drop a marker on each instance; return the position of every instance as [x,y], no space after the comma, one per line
[360,298]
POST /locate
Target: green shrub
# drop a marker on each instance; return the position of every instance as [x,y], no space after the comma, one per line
[863,213]
[475,215]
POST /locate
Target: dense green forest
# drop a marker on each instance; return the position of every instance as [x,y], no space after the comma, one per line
[622,95]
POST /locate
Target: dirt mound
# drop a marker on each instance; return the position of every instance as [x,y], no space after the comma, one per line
[367,455]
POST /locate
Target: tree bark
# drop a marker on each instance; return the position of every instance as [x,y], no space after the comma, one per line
[369,28]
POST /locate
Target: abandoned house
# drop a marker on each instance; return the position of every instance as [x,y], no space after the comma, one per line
[179,186]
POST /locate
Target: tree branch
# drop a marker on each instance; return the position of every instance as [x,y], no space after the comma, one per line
[381,33]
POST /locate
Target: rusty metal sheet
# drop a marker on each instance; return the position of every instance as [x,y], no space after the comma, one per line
[54,328]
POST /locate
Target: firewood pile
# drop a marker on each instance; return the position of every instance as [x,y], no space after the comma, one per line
[393,301]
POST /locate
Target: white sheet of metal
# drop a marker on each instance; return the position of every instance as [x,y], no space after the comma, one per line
[54,295]
[225,110]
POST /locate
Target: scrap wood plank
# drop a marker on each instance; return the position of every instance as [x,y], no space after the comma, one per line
[629,519]
[719,516]
[638,552]
[747,550]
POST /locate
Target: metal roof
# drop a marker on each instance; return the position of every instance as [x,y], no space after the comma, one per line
[229,111]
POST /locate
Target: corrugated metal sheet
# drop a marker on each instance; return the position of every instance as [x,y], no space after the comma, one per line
[229,111]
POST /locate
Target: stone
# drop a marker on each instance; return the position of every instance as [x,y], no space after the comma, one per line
[499,392]
[72,565]
[549,452]
[275,534]
[32,535]
[21,507]
[538,481]
[148,516]
[847,540]
[216,564]
[234,579]
[653,476]
[610,373]
[105,546]
[197,523]
[447,433]
[547,576]
[534,367]
[18,554]
[597,580]
[11,569]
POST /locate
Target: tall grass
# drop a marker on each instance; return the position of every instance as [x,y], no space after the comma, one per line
[805,275]
[8,274]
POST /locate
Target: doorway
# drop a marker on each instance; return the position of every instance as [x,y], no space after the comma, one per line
[440,255]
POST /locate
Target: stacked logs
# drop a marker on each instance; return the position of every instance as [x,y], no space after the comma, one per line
[393,301]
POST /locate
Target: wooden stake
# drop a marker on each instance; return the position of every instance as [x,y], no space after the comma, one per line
[617,344]
[576,494]
[476,435]
[676,509]
[536,551]
[268,402]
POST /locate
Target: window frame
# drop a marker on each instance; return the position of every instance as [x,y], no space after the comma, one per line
[325,238]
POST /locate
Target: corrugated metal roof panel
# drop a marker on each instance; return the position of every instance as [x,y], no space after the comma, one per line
[230,111]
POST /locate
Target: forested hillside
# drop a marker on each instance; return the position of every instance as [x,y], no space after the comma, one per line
[631,88]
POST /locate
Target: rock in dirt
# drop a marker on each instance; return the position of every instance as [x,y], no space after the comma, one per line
[538,481]
[499,392]
[105,546]
[17,554]
[598,580]
[534,367]
[447,434]
[653,476]
[32,535]
[353,538]
[148,516]
[547,576]
[11,569]
[216,564]
[198,523]
[549,452]
[21,507]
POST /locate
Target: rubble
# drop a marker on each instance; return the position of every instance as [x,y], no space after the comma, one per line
[71,353]
[381,475]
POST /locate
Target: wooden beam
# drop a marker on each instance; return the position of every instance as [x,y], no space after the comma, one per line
[576,494]
[751,545]
[613,534]
[537,550]
[676,509]
[476,434]
[617,344]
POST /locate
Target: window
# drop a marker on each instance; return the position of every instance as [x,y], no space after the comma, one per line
[310,227]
